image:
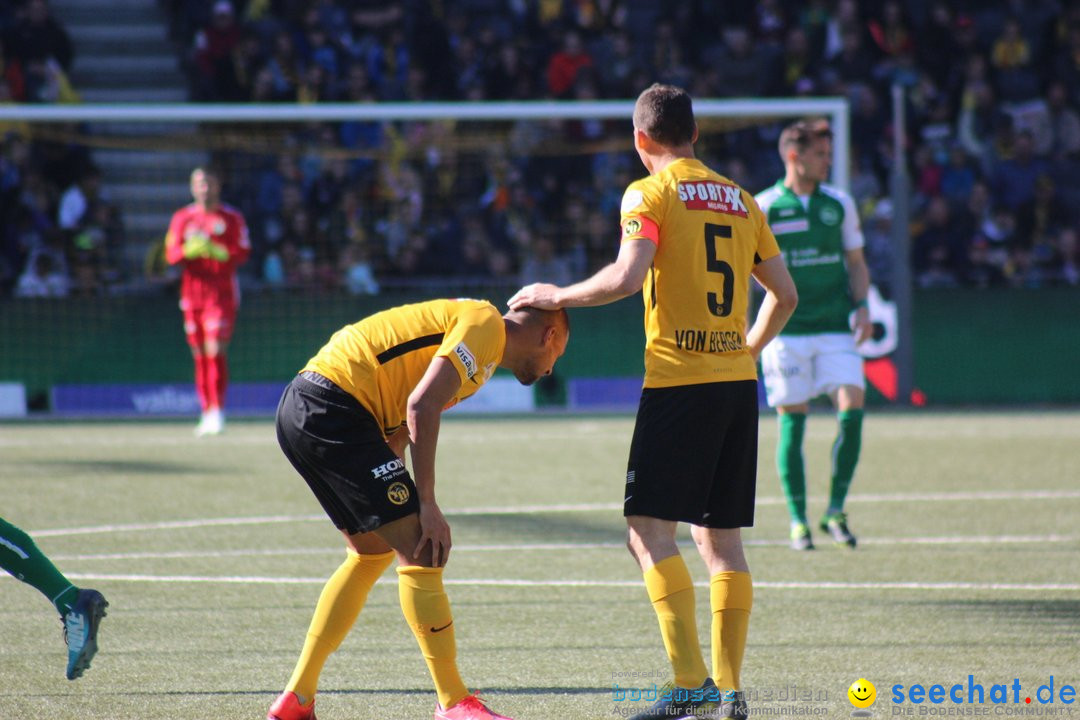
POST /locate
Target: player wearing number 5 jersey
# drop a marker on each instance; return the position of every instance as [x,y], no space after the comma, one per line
[691,239]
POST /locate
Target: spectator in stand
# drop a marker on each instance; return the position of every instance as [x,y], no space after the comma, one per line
[542,264]
[42,278]
[12,79]
[1068,257]
[939,253]
[39,38]
[1043,217]
[938,48]
[744,64]
[843,18]
[1067,62]
[975,126]
[1014,179]
[617,68]
[212,55]
[983,268]
[891,31]
[798,66]
[319,49]
[927,174]
[284,67]
[1064,120]
[770,23]
[1011,58]
[854,63]
[958,176]
[564,66]
[877,234]
[78,201]
[358,275]
[210,241]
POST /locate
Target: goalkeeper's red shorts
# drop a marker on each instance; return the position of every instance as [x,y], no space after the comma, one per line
[210,322]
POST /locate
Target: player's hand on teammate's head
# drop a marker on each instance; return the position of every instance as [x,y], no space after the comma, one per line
[537,295]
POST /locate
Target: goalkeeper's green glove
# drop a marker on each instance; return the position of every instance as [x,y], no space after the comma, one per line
[196,246]
[217,251]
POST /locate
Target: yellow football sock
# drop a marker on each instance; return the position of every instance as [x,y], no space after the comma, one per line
[672,594]
[731,595]
[427,610]
[339,605]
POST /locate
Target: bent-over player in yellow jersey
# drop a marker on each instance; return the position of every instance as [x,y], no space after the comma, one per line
[377,387]
[691,239]
[380,359]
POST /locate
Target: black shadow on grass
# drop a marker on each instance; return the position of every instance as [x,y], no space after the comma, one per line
[546,527]
[125,467]
[1058,615]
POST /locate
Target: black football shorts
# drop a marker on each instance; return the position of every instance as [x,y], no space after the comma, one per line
[693,457]
[336,444]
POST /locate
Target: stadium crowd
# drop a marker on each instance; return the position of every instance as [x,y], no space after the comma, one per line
[58,236]
[993,137]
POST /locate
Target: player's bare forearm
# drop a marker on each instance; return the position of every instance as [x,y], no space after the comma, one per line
[859,284]
[423,414]
[606,286]
[423,431]
[780,301]
[613,282]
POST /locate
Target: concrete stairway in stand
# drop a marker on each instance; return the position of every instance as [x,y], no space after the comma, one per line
[124,54]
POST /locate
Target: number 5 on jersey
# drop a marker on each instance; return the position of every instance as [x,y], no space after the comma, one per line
[716,265]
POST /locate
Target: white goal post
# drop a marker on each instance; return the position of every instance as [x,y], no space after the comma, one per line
[835,108]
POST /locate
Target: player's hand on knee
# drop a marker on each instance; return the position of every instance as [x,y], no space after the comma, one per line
[434,530]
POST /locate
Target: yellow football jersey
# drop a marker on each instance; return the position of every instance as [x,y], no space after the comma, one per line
[380,359]
[709,234]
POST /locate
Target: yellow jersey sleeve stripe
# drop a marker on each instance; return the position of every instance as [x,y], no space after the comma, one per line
[408,346]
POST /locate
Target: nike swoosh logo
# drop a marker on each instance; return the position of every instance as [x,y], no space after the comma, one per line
[627,498]
[435,629]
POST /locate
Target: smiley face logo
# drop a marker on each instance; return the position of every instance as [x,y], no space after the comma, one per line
[862,693]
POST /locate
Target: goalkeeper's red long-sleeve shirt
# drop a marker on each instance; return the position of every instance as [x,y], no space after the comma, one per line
[207,282]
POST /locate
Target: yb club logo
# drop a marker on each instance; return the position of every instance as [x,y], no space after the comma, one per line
[397,493]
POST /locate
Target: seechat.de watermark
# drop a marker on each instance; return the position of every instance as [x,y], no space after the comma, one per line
[1052,698]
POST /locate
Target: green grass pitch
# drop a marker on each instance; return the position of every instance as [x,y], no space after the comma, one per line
[212,553]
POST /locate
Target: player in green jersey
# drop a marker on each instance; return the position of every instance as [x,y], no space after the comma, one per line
[817,228]
[80,609]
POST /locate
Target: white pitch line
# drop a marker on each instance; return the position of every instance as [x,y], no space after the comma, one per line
[177,524]
[555,547]
[636,584]
[990,495]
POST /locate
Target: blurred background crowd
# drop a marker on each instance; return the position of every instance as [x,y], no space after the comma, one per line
[992,143]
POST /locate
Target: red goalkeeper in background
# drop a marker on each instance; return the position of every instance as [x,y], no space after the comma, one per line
[209,241]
